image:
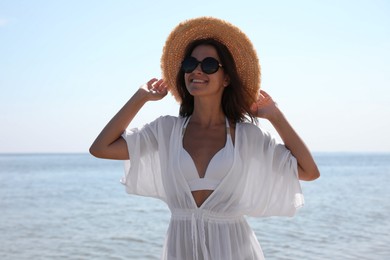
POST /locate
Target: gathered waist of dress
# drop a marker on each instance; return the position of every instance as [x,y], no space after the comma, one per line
[188,214]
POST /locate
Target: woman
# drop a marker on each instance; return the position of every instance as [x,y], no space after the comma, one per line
[211,165]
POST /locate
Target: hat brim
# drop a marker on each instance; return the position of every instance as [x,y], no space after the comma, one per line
[239,45]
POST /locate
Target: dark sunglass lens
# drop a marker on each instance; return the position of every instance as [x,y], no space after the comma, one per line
[189,64]
[210,65]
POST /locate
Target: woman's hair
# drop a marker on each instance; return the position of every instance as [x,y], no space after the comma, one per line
[236,100]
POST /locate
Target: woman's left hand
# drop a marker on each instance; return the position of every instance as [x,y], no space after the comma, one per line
[265,106]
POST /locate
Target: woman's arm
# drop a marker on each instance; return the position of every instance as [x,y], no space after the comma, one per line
[109,144]
[265,107]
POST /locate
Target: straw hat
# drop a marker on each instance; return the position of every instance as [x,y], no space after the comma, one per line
[233,38]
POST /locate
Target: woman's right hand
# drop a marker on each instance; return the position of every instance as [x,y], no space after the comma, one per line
[109,144]
[154,89]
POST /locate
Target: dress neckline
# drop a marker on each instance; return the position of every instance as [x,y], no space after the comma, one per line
[222,183]
[228,145]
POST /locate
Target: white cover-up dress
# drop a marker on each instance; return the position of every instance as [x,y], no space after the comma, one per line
[262,181]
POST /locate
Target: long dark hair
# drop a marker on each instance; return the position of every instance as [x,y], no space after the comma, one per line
[236,100]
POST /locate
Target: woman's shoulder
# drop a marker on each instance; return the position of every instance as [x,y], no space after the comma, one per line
[252,131]
[248,127]
[169,120]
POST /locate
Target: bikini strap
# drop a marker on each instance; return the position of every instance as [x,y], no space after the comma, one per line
[227,126]
[187,120]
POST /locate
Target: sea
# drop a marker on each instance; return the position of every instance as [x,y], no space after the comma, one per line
[72,206]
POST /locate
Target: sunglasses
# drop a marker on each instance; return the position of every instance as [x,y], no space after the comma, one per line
[209,65]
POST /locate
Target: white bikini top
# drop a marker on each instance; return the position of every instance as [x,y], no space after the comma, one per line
[216,170]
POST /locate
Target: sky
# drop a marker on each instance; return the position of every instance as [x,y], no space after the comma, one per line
[66,67]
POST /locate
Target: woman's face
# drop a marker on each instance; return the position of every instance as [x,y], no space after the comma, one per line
[200,84]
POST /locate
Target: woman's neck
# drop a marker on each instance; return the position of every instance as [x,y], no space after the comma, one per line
[207,113]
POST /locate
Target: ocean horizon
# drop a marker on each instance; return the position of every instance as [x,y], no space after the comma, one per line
[72,206]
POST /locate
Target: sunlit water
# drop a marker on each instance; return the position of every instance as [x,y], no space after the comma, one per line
[71,206]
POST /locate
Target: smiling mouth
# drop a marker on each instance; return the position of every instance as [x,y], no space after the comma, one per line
[198,81]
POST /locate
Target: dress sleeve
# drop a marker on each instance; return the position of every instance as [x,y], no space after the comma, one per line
[272,177]
[143,170]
